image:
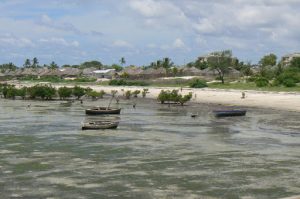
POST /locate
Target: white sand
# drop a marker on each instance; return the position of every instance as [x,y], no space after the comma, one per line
[273,100]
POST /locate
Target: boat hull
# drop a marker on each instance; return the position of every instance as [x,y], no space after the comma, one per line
[102,110]
[99,125]
[229,113]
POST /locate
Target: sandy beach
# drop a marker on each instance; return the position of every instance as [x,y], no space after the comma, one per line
[289,101]
[279,101]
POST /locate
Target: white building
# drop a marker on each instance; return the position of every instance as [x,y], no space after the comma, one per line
[107,73]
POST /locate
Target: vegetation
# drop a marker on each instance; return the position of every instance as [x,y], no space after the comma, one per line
[261,82]
[221,62]
[144,92]
[122,82]
[65,92]
[173,96]
[95,95]
[78,91]
[197,83]
[128,94]
[135,93]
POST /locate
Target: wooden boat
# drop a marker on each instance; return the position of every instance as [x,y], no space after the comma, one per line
[96,125]
[102,110]
[229,113]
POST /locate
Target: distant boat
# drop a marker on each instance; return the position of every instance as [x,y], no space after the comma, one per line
[229,113]
[96,125]
[102,110]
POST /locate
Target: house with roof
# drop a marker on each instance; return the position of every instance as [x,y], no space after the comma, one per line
[106,73]
[286,59]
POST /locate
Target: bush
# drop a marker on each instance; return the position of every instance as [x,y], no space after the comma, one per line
[197,83]
[42,91]
[289,82]
[78,91]
[135,93]
[128,94]
[144,92]
[173,96]
[64,92]
[261,82]
[95,94]
[122,82]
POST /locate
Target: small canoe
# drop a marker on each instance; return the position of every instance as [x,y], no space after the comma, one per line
[229,113]
[96,125]
[102,110]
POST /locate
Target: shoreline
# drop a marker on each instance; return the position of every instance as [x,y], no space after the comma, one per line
[286,101]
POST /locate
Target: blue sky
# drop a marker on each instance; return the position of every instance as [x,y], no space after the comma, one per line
[142,31]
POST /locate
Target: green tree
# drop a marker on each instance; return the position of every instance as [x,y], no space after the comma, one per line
[167,63]
[122,61]
[64,92]
[265,65]
[221,62]
[78,91]
[92,64]
[295,63]
[116,67]
[268,60]
[53,65]
[27,63]
[35,63]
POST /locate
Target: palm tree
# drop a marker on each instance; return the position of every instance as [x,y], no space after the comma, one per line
[35,62]
[27,63]
[122,61]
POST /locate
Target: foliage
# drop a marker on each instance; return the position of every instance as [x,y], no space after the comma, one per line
[197,83]
[9,66]
[221,61]
[122,61]
[295,63]
[173,96]
[78,91]
[53,65]
[268,60]
[165,63]
[288,78]
[11,92]
[42,91]
[182,99]
[122,82]
[135,93]
[128,94]
[64,92]
[198,64]
[116,67]
[22,92]
[91,64]
[289,82]
[261,82]
[144,92]
[95,94]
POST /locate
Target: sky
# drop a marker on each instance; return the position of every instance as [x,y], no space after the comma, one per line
[142,31]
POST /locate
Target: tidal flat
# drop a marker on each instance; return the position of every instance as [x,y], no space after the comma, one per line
[156,152]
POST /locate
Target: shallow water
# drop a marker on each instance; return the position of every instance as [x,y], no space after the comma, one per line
[156,152]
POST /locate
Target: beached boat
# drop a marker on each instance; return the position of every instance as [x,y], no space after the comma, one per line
[96,125]
[102,110]
[229,113]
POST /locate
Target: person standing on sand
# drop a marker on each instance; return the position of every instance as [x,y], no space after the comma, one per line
[243,95]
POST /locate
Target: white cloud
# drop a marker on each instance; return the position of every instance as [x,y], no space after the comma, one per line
[121,44]
[178,44]
[10,40]
[59,41]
